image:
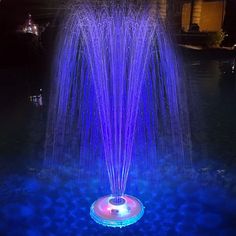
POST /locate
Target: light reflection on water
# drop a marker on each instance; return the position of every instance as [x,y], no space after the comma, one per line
[212,85]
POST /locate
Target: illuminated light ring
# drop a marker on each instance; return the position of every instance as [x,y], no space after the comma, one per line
[107,214]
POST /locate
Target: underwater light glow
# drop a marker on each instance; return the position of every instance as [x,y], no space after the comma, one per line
[105,211]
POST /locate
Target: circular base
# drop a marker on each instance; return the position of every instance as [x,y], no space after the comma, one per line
[116,212]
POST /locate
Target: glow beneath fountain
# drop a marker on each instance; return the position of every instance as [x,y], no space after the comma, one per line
[112,212]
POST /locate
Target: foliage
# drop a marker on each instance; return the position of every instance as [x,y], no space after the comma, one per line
[215,39]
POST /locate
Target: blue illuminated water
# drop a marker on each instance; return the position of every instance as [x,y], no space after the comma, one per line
[195,203]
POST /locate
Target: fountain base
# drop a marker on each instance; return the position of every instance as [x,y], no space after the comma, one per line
[116,212]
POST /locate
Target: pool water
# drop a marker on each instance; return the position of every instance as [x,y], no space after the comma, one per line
[199,202]
[194,203]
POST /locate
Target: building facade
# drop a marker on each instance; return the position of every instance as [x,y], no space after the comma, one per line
[208,15]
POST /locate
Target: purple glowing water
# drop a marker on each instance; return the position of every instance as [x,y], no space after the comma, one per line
[126,55]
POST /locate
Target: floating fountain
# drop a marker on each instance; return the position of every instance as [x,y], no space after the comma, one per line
[117,48]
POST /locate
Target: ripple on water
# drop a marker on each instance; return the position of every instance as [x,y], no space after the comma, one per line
[209,220]
[189,209]
[186,228]
[228,232]
[188,190]
[18,211]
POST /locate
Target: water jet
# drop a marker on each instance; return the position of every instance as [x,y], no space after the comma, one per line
[114,50]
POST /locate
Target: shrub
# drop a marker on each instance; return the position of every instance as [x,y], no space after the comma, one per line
[215,39]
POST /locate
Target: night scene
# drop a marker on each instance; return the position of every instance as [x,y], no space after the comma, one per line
[117,118]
